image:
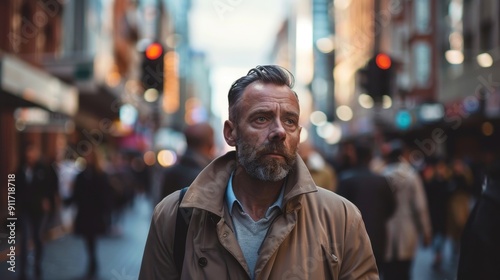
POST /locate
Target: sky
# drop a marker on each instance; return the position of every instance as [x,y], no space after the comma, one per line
[235,33]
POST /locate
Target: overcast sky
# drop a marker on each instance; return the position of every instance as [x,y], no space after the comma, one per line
[235,33]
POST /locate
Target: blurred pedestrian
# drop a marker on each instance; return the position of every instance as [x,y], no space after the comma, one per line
[321,171]
[460,201]
[67,169]
[257,213]
[36,193]
[122,182]
[411,219]
[479,258]
[373,196]
[199,152]
[436,176]
[92,197]
[346,157]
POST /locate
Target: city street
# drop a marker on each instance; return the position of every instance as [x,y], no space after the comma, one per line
[120,256]
[422,269]
[106,99]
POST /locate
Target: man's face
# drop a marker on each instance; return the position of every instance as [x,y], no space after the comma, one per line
[267,132]
[32,155]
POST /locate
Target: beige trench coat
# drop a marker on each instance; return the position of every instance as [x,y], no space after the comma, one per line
[411,219]
[319,235]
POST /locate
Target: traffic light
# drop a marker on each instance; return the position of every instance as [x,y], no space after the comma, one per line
[152,75]
[377,77]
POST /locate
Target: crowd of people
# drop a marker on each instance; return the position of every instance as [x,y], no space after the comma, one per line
[274,206]
[85,196]
[433,200]
[403,205]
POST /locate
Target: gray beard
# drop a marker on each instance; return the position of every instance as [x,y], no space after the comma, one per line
[271,170]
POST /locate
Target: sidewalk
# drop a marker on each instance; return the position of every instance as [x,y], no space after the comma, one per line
[119,257]
[422,266]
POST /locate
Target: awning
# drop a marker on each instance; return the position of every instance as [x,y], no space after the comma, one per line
[36,86]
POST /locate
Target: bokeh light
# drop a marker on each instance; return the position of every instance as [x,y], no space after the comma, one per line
[166,158]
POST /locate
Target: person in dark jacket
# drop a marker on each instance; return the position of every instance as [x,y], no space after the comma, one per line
[92,196]
[480,243]
[436,177]
[372,194]
[37,189]
[199,153]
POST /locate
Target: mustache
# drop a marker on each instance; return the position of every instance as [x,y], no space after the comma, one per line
[273,147]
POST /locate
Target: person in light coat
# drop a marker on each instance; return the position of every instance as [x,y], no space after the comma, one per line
[410,222]
[257,213]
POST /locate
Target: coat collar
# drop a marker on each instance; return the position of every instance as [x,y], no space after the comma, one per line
[208,189]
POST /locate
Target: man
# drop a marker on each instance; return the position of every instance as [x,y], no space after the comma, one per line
[257,213]
[37,191]
[372,194]
[436,177]
[199,153]
[479,258]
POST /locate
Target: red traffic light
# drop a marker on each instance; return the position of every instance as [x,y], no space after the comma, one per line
[154,51]
[383,61]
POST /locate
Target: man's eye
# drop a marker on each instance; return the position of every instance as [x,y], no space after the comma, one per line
[290,122]
[261,119]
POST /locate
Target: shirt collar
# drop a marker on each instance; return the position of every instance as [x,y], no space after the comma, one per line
[231,198]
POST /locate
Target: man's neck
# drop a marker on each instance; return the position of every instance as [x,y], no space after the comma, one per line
[255,195]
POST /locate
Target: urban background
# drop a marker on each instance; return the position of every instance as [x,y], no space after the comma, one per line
[124,78]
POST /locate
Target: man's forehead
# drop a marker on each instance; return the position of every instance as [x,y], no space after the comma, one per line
[262,105]
[271,109]
[262,92]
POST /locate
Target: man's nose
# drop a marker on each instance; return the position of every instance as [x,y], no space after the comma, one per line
[277,131]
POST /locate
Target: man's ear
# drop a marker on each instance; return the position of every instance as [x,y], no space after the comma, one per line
[230,133]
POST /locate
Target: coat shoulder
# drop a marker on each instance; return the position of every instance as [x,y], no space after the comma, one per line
[334,204]
[328,199]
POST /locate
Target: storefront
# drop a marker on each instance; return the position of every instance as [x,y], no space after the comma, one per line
[35,107]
